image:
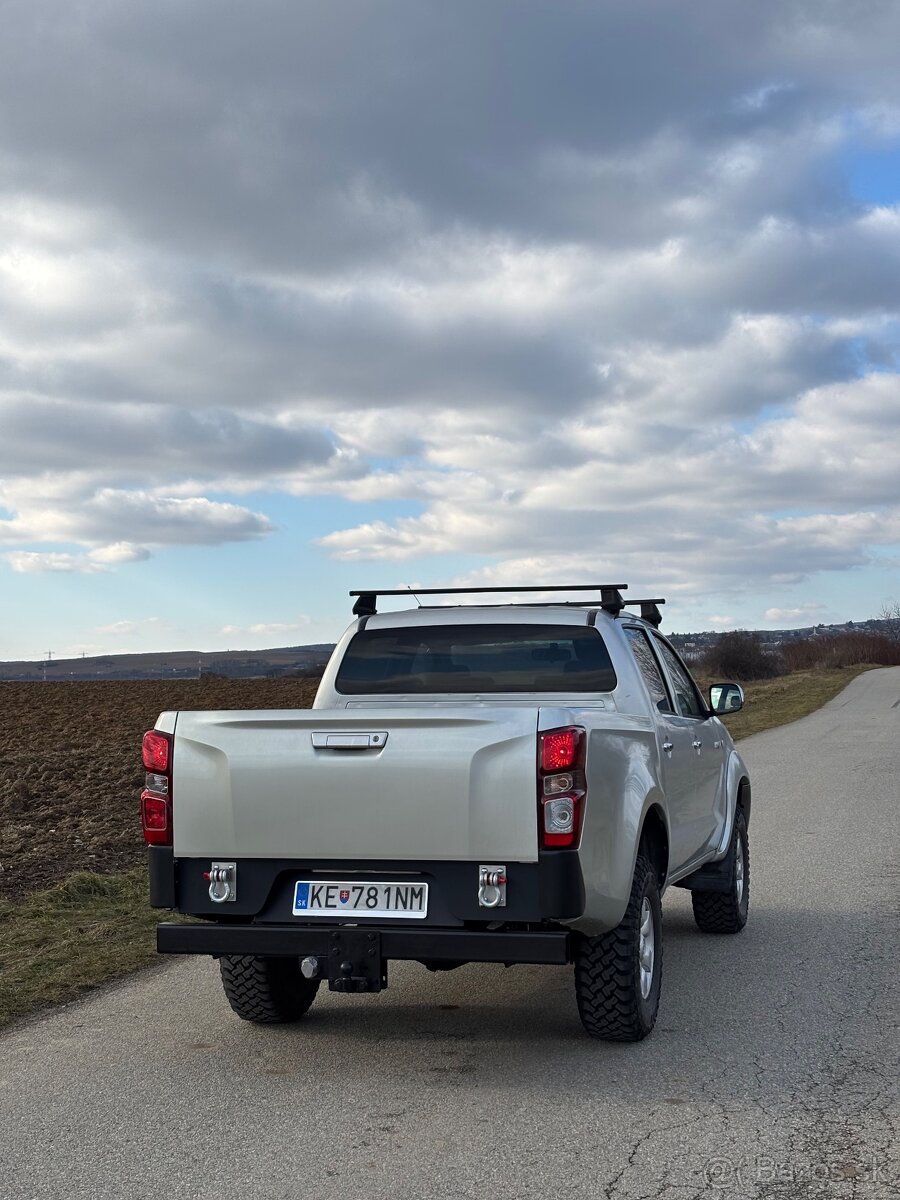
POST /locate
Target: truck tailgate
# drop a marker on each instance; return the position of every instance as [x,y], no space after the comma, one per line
[454,784]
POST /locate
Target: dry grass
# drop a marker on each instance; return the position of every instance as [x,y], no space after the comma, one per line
[772,702]
[58,943]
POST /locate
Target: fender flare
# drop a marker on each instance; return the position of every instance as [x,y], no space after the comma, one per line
[737,782]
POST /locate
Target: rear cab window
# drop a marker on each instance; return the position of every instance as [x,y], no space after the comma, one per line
[421,659]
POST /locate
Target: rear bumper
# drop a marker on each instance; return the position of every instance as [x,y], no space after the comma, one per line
[551,889]
[431,945]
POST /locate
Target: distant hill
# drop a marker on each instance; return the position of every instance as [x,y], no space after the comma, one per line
[310,660]
[693,645]
[177,664]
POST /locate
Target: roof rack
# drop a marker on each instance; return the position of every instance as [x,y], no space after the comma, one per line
[611,600]
[649,610]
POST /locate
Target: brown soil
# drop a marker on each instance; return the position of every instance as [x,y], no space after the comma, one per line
[70,767]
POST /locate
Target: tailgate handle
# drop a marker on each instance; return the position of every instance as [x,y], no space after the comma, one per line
[348,741]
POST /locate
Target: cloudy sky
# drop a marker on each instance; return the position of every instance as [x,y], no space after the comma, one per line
[304,295]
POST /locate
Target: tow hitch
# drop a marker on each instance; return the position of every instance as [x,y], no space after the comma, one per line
[354,961]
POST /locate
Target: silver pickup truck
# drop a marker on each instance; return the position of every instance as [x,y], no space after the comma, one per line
[514,783]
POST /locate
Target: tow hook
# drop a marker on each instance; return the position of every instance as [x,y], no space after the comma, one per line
[492,886]
[222,878]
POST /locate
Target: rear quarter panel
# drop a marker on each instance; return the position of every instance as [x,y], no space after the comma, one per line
[623,784]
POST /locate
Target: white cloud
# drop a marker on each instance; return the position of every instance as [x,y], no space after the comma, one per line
[103,558]
[91,518]
[167,519]
[118,553]
[264,633]
[29,562]
[130,627]
[270,627]
[802,615]
[760,97]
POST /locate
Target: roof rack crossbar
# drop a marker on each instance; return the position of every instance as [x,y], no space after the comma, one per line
[469,591]
[525,604]
[610,594]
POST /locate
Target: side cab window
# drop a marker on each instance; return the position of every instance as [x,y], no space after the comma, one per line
[649,667]
[688,702]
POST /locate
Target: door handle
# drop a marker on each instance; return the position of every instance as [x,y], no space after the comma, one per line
[668,747]
[697,744]
[326,740]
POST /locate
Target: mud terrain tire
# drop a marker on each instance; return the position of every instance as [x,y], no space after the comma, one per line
[267,991]
[618,974]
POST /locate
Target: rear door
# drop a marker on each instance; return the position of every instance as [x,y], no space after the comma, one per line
[675,738]
[381,783]
[702,758]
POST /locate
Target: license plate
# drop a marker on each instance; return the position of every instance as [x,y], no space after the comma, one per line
[327,898]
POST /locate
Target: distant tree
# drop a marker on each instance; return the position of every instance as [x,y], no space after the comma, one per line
[842,650]
[890,612]
[740,655]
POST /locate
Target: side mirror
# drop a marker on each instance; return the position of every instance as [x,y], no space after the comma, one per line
[726,698]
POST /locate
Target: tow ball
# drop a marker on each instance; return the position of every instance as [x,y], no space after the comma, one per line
[355,963]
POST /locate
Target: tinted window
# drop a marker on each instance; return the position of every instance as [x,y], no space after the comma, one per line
[649,667]
[476,658]
[687,697]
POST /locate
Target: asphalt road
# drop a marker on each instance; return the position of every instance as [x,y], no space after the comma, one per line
[773,1070]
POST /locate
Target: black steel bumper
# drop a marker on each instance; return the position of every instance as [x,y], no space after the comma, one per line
[551,889]
[423,944]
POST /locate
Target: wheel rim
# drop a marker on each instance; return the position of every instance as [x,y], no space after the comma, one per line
[646,948]
[739,869]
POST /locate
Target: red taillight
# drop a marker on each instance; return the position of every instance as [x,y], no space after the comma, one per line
[155,819]
[561,786]
[156,798]
[559,749]
[156,751]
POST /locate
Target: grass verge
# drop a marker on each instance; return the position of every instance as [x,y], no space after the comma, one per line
[772,702]
[58,943]
[61,942]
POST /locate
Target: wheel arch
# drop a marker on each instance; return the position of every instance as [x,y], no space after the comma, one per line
[654,839]
[744,797]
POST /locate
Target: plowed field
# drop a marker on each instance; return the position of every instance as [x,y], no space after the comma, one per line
[70,767]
